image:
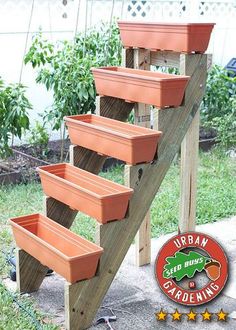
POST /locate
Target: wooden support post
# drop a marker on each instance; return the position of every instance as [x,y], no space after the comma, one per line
[142,114]
[141,60]
[29,272]
[83,299]
[189,164]
[143,237]
[188,176]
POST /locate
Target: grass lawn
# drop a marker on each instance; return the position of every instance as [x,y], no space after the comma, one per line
[216,200]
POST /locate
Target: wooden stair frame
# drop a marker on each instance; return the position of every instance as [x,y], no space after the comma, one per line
[83,299]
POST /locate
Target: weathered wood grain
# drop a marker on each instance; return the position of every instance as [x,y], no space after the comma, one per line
[83,299]
[165,58]
[188,176]
[142,117]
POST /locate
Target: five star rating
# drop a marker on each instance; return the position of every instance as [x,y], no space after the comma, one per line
[192,315]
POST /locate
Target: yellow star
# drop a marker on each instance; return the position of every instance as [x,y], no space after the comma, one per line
[161,316]
[222,316]
[191,315]
[176,316]
[206,316]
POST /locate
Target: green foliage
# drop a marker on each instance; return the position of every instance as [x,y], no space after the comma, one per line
[39,138]
[16,313]
[65,67]
[182,264]
[218,108]
[14,119]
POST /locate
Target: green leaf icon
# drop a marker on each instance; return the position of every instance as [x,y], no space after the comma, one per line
[182,264]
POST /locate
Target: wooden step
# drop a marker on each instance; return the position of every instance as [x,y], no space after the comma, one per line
[130,143]
[86,192]
[68,254]
[155,88]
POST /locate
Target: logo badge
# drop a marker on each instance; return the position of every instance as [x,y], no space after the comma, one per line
[191,268]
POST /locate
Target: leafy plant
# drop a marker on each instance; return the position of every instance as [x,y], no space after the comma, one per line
[39,139]
[14,119]
[65,68]
[218,108]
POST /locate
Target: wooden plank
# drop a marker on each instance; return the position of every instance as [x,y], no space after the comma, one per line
[165,58]
[142,117]
[188,176]
[128,57]
[29,272]
[83,299]
[143,237]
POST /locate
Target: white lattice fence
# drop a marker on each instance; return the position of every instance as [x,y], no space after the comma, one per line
[223,13]
[152,9]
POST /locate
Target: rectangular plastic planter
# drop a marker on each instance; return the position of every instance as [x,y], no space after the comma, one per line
[179,37]
[156,88]
[68,254]
[86,192]
[130,143]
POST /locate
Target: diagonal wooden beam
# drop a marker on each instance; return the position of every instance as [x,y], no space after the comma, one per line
[83,299]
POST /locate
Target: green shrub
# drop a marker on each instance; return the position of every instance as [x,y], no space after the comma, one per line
[65,69]
[218,109]
[39,139]
[14,119]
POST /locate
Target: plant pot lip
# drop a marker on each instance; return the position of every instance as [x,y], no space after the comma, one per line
[165,24]
[147,132]
[152,76]
[43,170]
[212,263]
[36,216]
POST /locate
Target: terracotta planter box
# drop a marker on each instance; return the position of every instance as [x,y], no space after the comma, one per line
[159,89]
[68,254]
[180,37]
[86,192]
[130,143]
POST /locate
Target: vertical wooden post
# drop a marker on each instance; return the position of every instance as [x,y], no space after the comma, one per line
[188,176]
[189,165]
[142,118]
[142,114]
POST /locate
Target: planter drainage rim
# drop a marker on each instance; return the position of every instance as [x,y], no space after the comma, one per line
[44,171]
[36,217]
[84,120]
[150,76]
[52,228]
[165,23]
